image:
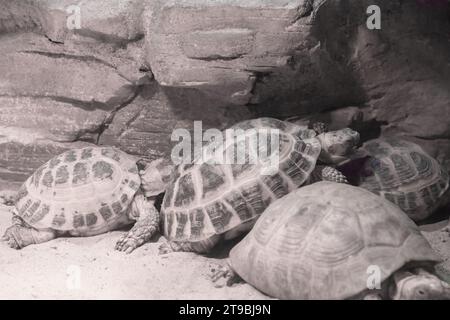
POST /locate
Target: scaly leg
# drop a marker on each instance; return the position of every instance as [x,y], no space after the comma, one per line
[18,236]
[169,247]
[319,127]
[144,229]
[16,220]
[203,246]
[326,173]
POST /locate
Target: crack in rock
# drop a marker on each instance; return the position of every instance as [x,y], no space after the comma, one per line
[110,118]
[83,58]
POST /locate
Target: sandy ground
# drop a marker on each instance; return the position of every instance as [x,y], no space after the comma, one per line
[49,271]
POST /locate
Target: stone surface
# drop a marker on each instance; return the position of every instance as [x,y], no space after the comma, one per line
[33,66]
[113,21]
[23,15]
[242,52]
[404,69]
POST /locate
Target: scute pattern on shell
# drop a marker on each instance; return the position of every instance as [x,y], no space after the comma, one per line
[206,199]
[80,190]
[406,175]
[319,241]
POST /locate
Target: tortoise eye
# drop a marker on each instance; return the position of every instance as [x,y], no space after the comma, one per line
[375,163]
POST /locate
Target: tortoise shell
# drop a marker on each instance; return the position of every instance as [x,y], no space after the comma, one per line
[81,190]
[403,173]
[207,199]
[319,241]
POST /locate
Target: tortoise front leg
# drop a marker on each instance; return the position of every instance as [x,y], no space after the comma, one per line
[144,229]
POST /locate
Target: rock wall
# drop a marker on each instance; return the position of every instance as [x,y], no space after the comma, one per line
[253,52]
[137,69]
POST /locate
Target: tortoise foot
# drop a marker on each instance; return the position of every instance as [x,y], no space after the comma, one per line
[166,248]
[10,239]
[128,243]
[18,236]
[222,276]
[143,230]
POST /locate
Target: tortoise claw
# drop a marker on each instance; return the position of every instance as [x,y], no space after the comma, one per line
[221,276]
[13,244]
[165,248]
[9,238]
[127,243]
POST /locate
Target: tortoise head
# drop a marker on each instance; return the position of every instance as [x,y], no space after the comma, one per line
[155,176]
[421,286]
[338,145]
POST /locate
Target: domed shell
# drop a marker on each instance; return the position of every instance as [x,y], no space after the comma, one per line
[403,173]
[79,190]
[323,240]
[209,198]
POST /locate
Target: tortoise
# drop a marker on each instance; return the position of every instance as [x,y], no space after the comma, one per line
[403,173]
[335,241]
[207,201]
[83,192]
